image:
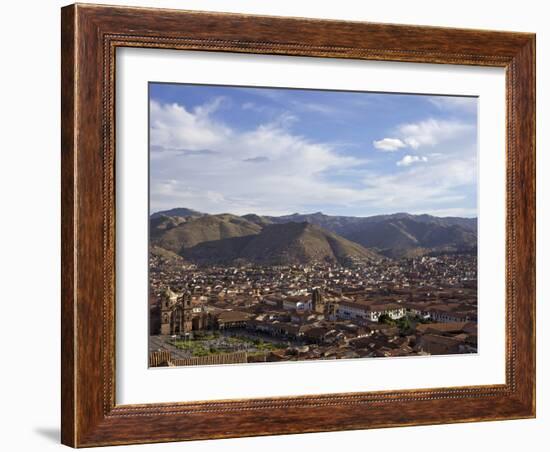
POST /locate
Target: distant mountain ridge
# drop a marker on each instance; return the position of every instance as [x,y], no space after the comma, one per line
[282,244]
[178,234]
[226,237]
[177,212]
[342,222]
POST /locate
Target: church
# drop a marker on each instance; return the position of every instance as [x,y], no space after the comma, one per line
[179,317]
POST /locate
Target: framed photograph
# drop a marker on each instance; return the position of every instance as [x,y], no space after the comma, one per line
[281,225]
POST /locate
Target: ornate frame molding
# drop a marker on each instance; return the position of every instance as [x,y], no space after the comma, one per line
[90,37]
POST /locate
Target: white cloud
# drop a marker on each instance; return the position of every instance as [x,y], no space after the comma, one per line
[453,212]
[315,108]
[202,163]
[174,127]
[389,144]
[454,104]
[253,106]
[268,161]
[431,132]
[440,185]
[410,159]
[249,106]
[203,111]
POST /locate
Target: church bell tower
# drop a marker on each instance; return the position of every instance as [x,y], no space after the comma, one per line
[167,301]
[187,320]
[317,301]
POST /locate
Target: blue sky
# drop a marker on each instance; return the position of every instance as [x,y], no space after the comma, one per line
[274,151]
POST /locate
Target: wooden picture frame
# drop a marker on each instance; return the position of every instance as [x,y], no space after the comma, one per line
[90,36]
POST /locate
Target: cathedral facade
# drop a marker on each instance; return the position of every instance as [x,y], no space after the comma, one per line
[178,316]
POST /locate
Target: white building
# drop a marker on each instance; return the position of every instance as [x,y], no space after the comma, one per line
[302,303]
[349,310]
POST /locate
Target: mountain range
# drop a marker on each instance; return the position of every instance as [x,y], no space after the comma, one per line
[306,238]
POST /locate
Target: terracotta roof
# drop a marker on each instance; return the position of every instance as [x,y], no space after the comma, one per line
[385,307]
[437,339]
[232,316]
[441,327]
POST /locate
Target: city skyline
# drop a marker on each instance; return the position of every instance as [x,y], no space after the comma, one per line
[254,150]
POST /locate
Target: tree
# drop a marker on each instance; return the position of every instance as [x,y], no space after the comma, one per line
[405,325]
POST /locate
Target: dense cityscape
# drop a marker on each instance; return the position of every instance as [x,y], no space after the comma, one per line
[210,314]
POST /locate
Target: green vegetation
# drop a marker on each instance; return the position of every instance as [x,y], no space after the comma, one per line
[419,319]
[263,346]
[197,348]
[206,335]
[405,324]
[385,318]
[212,343]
